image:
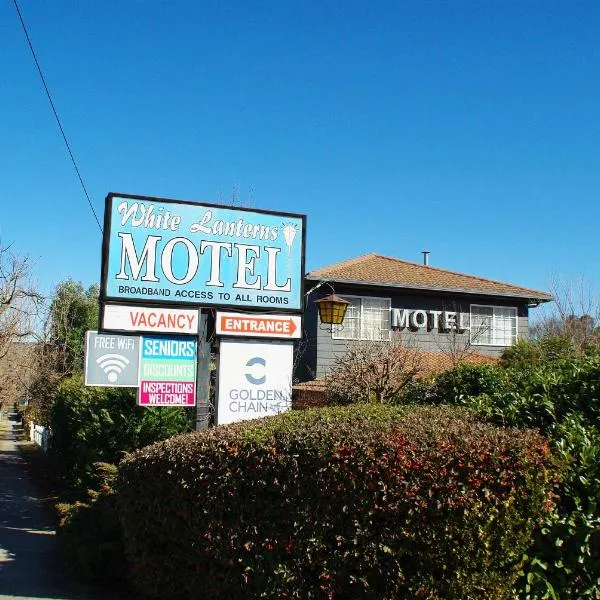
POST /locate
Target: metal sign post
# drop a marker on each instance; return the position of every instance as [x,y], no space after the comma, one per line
[203,376]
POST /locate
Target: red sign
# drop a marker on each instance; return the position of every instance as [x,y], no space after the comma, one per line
[271,326]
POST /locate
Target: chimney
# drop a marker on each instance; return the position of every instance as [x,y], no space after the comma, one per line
[425,254]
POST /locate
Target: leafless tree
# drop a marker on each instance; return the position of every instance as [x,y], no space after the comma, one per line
[19,301]
[374,371]
[574,314]
[20,304]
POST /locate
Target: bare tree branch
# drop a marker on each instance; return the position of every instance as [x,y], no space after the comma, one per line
[374,371]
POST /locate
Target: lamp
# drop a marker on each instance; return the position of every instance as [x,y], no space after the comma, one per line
[332,309]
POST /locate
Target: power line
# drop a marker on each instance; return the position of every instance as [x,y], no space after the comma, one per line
[62,131]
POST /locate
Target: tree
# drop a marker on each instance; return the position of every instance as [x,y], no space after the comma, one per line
[373,371]
[574,314]
[74,310]
[60,353]
[19,301]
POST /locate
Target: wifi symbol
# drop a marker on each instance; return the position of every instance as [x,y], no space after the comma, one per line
[112,365]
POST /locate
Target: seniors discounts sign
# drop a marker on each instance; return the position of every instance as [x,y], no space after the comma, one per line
[169,251]
[167,372]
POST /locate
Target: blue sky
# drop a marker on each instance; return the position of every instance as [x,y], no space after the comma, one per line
[469,128]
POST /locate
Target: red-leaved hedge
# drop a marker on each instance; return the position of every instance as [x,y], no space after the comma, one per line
[357,502]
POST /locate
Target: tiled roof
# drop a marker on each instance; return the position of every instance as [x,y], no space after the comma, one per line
[383,270]
[431,363]
[437,362]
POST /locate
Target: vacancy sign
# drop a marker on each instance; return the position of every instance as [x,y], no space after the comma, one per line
[255,379]
[111,360]
[167,372]
[116,317]
[287,327]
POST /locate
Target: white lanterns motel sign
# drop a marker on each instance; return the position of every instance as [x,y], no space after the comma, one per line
[444,320]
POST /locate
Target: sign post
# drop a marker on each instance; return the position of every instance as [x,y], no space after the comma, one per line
[203,406]
[164,262]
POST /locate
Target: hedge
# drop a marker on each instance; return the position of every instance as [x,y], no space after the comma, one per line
[355,502]
[89,532]
[553,387]
[100,424]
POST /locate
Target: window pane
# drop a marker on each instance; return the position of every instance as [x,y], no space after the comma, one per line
[496,325]
[366,318]
[481,325]
[375,323]
[350,327]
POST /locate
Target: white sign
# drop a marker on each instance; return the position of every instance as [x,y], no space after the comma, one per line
[444,320]
[268,326]
[255,379]
[117,317]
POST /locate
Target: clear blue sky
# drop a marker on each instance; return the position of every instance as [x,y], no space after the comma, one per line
[470,128]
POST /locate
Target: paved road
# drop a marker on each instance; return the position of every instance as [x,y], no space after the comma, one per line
[29,562]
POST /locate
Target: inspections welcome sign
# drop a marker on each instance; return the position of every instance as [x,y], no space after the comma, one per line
[174,252]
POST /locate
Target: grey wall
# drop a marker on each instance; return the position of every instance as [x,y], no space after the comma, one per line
[321,349]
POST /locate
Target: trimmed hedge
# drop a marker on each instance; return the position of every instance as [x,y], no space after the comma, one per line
[554,387]
[357,502]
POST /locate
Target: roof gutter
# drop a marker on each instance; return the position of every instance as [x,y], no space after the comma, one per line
[529,297]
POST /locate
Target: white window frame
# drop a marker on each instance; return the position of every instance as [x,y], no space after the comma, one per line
[474,342]
[334,332]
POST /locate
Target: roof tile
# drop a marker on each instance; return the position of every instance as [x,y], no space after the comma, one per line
[378,269]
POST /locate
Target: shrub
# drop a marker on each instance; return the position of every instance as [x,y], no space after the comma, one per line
[465,381]
[528,353]
[372,371]
[355,502]
[550,386]
[90,533]
[564,560]
[93,424]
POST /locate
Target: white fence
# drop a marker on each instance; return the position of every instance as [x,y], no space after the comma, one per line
[39,435]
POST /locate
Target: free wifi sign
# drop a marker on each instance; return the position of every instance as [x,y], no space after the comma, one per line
[111,359]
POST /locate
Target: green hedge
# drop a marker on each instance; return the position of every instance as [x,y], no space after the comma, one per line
[358,502]
[100,424]
[551,386]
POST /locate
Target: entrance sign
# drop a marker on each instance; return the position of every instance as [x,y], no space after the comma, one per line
[168,251]
[116,317]
[251,325]
[111,359]
[167,371]
[255,379]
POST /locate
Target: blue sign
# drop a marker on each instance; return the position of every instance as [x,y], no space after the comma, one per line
[174,252]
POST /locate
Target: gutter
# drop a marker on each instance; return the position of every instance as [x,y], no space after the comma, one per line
[529,297]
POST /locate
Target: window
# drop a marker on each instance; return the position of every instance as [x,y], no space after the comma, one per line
[493,325]
[366,319]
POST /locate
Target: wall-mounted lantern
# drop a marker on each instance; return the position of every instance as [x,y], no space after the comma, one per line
[332,309]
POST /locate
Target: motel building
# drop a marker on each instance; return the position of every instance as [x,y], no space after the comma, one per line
[445,315]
